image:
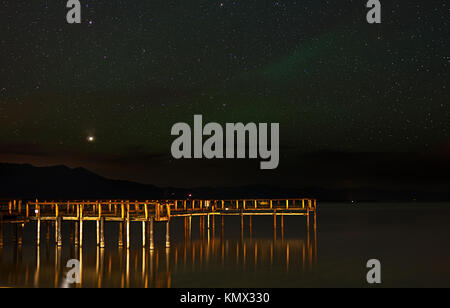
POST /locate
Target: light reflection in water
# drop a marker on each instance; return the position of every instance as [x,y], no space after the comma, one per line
[171,265]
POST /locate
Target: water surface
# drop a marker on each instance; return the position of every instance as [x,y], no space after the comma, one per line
[410,239]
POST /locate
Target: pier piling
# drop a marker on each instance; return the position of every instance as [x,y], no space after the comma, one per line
[307,219]
[143,234]
[190,225]
[38,232]
[152,244]
[127,231]
[58,231]
[102,232]
[98,231]
[167,234]
[76,235]
[81,233]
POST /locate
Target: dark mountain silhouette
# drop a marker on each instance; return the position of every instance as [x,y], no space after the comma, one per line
[60,182]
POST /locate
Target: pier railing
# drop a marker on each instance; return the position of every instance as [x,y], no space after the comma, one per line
[157,209]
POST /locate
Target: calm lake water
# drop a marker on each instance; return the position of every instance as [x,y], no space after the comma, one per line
[410,240]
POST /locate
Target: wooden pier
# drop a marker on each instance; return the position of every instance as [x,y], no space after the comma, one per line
[145,212]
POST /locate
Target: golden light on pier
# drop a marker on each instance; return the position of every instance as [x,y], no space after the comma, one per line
[147,213]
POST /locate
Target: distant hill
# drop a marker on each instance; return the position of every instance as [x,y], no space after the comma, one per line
[60,182]
[27,181]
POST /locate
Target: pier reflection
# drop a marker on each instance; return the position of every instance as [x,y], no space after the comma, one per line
[207,257]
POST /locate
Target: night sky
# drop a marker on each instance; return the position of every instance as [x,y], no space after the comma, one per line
[358,104]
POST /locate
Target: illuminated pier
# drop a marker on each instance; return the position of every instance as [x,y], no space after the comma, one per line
[146,213]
